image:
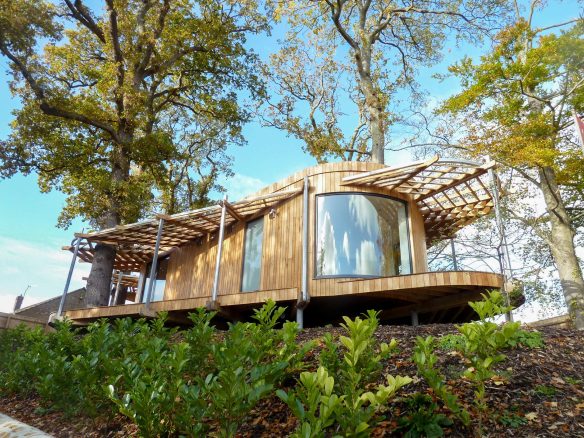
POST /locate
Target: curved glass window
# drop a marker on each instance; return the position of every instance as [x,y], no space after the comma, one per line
[360,235]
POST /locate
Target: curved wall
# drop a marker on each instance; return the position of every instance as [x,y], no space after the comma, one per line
[190,269]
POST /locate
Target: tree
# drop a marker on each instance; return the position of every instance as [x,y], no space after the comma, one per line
[100,89]
[517,103]
[360,39]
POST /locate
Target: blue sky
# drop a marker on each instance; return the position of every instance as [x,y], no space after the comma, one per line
[31,243]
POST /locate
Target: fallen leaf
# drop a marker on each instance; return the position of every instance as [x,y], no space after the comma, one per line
[531,416]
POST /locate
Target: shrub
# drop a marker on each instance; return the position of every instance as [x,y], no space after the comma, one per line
[342,399]
[425,361]
[422,418]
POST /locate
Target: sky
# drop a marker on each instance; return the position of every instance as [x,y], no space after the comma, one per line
[31,258]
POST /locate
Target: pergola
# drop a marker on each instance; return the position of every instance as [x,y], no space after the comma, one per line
[449,193]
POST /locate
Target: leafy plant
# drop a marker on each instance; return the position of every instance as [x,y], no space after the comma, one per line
[422,419]
[313,403]
[425,361]
[545,390]
[483,342]
[512,420]
[529,339]
[343,397]
[451,342]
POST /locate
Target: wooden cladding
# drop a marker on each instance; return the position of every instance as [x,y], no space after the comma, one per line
[191,266]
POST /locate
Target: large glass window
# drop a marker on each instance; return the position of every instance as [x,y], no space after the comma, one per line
[159,284]
[252,255]
[361,235]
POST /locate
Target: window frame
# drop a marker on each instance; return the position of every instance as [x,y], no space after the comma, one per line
[245,237]
[315,240]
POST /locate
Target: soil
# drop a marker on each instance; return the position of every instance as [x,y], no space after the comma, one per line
[536,393]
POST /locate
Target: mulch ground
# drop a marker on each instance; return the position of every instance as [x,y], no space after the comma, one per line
[537,393]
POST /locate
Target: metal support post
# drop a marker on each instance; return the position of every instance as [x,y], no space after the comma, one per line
[117,294]
[219,250]
[154,266]
[502,249]
[454,261]
[68,282]
[414,316]
[305,297]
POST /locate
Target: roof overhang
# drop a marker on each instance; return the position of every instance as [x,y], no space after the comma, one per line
[135,243]
[449,193]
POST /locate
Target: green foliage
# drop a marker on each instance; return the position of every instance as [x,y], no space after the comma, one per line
[118,111]
[313,403]
[545,390]
[451,342]
[527,339]
[422,418]
[342,398]
[425,361]
[512,420]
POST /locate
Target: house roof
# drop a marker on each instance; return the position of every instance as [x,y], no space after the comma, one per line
[449,193]
[135,242]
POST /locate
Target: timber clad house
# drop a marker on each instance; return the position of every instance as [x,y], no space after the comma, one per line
[332,240]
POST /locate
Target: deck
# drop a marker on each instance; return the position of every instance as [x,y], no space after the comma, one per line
[433,295]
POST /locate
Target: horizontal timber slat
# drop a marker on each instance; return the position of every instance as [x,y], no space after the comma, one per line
[415,288]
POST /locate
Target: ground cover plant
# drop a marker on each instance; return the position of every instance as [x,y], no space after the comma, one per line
[265,378]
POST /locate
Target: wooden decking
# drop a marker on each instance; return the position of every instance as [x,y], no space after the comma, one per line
[396,297]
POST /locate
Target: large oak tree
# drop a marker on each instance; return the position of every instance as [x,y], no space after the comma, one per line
[370,49]
[101,90]
[516,106]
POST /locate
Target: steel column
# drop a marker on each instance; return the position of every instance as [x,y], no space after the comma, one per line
[502,250]
[68,282]
[154,266]
[304,297]
[219,250]
[414,316]
[454,261]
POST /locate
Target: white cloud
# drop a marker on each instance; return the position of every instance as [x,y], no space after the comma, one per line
[327,248]
[363,213]
[367,263]
[7,302]
[42,265]
[346,247]
[239,186]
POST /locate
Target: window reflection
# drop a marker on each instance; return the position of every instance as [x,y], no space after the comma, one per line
[159,284]
[252,255]
[361,235]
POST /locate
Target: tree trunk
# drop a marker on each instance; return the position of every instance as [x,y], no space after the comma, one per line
[99,281]
[561,243]
[100,276]
[376,124]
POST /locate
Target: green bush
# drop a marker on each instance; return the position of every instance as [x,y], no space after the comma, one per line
[342,399]
[422,418]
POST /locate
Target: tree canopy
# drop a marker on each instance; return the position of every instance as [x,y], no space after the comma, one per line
[369,50]
[113,98]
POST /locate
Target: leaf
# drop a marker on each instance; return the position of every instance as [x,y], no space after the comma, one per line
[531,416]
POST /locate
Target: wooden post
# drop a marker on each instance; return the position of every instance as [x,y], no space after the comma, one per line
[154,264]
[115,300]
[219,250]
[69,275]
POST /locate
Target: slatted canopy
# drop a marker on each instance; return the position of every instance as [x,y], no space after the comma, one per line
[449,193]
[135,242]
